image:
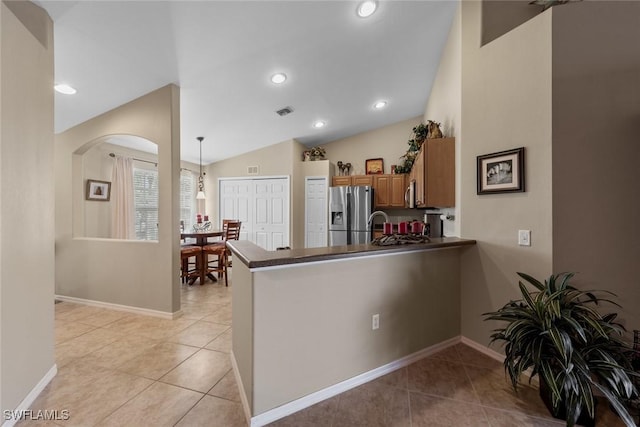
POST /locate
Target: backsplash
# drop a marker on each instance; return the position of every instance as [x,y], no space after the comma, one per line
[398,215]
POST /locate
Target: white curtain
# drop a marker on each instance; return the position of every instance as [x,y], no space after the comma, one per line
[123,210]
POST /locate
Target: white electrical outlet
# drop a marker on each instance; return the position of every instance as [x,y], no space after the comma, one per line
[524,237]
[375,322]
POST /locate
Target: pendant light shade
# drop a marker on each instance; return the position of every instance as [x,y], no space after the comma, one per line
[200,195]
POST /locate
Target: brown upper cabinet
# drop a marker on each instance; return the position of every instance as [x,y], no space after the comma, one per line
[434,172]
[362,180]
[389,190]
[339,181]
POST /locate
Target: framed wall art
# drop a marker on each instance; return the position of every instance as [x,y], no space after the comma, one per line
[98,190]
[374,166]
[501,172]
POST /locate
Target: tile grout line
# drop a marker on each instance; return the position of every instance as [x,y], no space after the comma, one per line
[485,406]
[473,387]
[124,403]
[190,409]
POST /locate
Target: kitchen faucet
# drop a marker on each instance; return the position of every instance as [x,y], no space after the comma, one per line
[376,213]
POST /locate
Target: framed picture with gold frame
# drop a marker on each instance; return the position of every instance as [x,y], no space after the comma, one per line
[98,190]
[374,166]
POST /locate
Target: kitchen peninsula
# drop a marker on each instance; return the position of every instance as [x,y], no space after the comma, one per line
[302,318]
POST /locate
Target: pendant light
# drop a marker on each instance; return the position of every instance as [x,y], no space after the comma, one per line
[200,195]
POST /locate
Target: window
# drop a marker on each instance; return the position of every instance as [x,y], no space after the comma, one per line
[145,199]
[187,198]
[145,187]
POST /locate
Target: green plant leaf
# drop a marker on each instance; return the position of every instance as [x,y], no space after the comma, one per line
[533,281]
[617,405]
[557,332]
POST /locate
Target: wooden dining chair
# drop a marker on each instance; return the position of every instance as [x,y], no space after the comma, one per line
[218,250]
[237,236]
[191,259]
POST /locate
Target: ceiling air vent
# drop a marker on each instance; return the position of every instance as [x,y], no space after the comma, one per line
[252,170]
[284,111]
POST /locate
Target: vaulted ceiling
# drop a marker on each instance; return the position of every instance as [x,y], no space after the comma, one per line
[223,53]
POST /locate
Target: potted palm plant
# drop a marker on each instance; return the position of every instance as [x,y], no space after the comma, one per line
[557,333]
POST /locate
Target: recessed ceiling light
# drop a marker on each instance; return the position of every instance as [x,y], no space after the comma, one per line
[366,8]
[319,124]
[278,78]
[380,105]
[65,89]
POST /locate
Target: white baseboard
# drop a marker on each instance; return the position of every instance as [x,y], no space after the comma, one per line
[33,394]
[483,349]
[243,394]
[119,307]
[326,393]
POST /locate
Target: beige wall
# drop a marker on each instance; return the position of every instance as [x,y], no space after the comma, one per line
[542,87]
[501,16]
[506,103]
[242,320]
[388,142]
[445,107]
[596,123]
[132,273]
[297,216]
[26,201]
[98,165]
[311,325]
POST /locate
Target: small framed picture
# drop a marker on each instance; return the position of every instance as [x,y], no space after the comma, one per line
[501,172]
[374,166]
[98,190]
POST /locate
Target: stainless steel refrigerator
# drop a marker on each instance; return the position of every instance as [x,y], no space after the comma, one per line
[349,210]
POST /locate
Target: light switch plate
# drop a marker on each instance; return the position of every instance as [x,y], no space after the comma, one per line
[524,237]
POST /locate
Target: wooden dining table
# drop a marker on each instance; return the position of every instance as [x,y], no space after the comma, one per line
[202,239]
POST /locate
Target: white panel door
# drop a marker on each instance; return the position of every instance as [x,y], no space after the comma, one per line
[316,213]
[235,203]
[271,226]
[245,209]
[261,213]
[262,204]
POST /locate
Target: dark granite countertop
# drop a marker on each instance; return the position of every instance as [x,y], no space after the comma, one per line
[254,256]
